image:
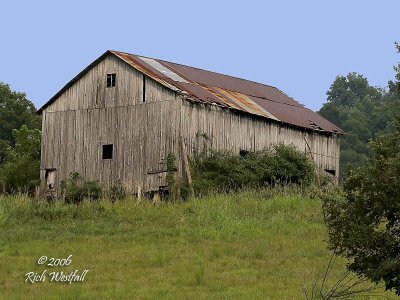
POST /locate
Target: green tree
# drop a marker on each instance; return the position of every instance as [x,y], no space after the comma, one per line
[364,224]
[362,111]
[15,110]
[20,170]
[349,90]
[4,145]
[397,69]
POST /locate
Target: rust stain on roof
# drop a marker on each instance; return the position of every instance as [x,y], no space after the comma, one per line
[246,104]
[137,64]
[226,91]
[248,96]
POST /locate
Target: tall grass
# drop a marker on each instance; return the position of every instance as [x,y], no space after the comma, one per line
[254,244]
[21,208]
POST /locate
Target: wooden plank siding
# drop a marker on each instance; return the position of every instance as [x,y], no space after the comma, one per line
[89,115]
[227,130]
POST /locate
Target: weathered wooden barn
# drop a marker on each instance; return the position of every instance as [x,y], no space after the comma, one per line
[118,119]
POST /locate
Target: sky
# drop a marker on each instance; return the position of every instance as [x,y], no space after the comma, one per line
[296,46]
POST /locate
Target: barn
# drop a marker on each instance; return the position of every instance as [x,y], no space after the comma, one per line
[118,120]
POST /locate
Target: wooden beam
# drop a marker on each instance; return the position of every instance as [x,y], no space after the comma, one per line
[312,157]
[187,166]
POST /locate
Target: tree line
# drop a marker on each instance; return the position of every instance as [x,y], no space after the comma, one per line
[363,218]
[19,142]
[363,111]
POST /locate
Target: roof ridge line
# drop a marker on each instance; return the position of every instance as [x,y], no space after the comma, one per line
[231,76]
[197,68]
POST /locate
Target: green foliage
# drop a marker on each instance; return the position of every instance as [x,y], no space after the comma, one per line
[91,190]
[363,112]
[20,168]
[225,171]
[4,147]
[19,141]
[178,188]
[199,275]
[15,111]
[75,189]
[171,176]
[117,192]
[397,69]
[349,90]
[364,224]
[250,245]
[346,287]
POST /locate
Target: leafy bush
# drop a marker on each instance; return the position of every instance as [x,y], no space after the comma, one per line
[225,171]
[364,223]
[75,189]
[117,192]
[20,169]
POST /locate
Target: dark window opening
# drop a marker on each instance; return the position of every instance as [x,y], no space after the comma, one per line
[107,151]
[332,172]
[111,80]
[144,88]
[50,177]
[243,153]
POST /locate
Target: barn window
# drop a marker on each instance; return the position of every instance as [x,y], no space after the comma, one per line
[331,171]
[107,151]
[243,153]
[50,177]
[111,80]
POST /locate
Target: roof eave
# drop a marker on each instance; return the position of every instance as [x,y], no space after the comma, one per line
[169,84]
[239,111]
[72,81]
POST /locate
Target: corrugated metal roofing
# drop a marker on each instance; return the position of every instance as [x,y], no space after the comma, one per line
[226,91]
[161,68]
[240,94]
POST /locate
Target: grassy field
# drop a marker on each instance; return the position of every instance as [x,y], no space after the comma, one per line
[249,245]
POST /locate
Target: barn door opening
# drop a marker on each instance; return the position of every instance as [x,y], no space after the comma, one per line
[50,177]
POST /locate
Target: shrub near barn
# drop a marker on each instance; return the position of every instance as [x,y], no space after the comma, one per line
[225,171]
[20,169]
[364,224]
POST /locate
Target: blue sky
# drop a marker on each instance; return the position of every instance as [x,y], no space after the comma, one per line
[297,46]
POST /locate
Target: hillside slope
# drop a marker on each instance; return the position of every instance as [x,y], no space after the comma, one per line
[249,245]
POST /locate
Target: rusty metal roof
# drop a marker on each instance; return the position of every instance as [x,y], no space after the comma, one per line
[226,91]
[231,92]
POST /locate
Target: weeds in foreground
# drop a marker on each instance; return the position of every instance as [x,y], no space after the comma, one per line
[348,285]
[199,275]
[21,208]
[252,244]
